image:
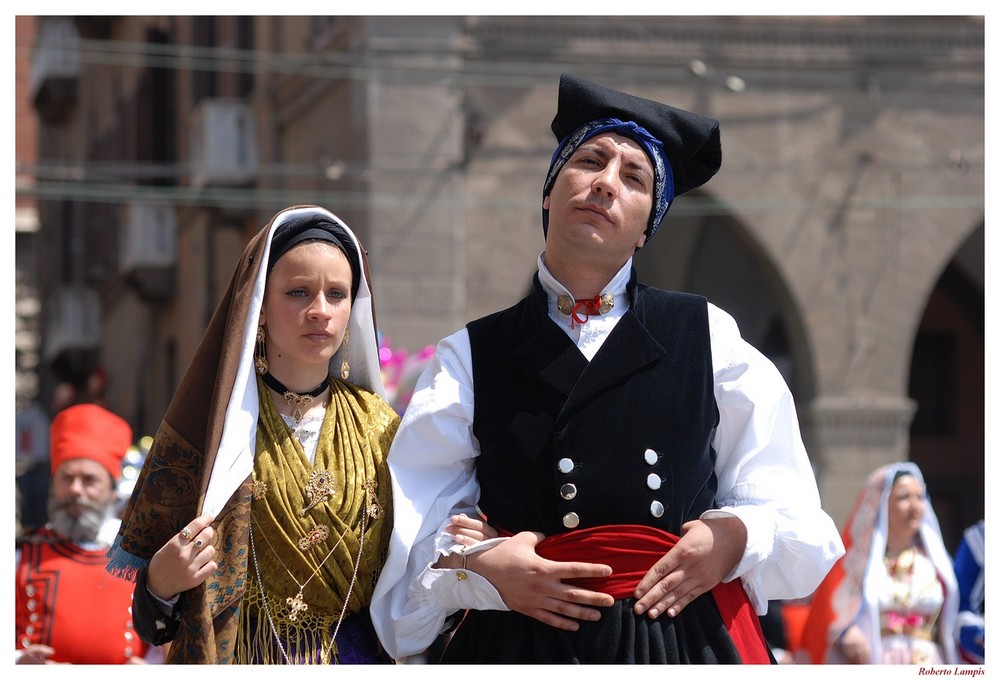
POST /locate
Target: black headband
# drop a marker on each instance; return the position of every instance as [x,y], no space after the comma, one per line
[315,228]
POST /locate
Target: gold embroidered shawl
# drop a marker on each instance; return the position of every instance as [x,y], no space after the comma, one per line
[313,543]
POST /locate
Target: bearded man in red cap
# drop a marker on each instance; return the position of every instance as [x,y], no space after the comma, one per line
[66,609]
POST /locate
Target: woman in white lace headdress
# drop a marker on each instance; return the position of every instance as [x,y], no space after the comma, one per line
[892,598]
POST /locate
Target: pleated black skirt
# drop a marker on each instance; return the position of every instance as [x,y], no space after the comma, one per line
[697,636]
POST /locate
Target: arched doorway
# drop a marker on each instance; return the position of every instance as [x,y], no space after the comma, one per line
[947,381]
[715,256]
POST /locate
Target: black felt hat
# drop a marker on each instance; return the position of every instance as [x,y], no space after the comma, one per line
[691,141]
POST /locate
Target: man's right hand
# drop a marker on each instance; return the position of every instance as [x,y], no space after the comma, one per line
[183,563]
[533,585]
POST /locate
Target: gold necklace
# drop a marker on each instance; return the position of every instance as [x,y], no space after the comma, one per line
[297,604]
[324,652]
[901,564]
[295,399]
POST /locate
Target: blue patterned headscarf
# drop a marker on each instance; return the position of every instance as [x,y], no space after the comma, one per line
[663,176]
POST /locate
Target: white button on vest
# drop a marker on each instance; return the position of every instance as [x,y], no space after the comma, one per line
[565,465]
[571,520]
[653,481]
[656,509]
[651,456]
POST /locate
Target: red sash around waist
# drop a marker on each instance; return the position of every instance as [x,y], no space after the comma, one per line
[630,551]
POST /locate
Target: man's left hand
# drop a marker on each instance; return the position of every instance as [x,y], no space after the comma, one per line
[707,550]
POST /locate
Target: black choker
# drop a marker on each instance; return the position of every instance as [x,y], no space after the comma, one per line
[294,399]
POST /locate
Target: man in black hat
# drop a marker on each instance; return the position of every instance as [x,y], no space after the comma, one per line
[604,472]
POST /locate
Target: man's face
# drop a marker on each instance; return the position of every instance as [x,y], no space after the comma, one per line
[601,200]
[82,479]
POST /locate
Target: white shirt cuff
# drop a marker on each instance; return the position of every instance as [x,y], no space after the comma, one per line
[456,589]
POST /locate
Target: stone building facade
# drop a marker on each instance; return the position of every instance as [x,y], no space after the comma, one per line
[845,231]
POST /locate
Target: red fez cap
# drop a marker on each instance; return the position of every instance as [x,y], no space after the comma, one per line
[89,431]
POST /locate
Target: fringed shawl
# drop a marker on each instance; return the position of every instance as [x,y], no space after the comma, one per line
[332,545]
[202,456]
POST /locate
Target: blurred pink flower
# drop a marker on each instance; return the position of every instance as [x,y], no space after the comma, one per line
[400,371]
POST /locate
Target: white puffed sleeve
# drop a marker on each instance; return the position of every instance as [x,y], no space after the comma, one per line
[432,461]
[764,474]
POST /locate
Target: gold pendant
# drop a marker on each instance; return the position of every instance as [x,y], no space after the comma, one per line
[258,490]
[319,534]
[297,401]
[374,509]
[319,488]
[297,605]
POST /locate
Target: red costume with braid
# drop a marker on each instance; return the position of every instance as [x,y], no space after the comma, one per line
[65,599]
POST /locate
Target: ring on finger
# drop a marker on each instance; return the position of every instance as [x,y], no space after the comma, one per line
[199,543]
[185,534]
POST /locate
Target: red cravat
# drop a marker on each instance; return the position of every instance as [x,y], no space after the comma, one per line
[588,307]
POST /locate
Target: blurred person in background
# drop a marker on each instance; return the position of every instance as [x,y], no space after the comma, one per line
[893,598]
[67,609]
[970,558]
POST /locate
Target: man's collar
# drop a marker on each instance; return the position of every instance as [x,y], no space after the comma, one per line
[617,285]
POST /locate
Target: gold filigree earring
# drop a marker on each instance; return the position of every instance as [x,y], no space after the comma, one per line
[260,354]
[345,365]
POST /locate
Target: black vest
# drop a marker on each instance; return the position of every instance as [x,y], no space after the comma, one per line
[622,439]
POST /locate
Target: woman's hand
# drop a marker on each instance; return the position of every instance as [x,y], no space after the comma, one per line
[185,561]
[469,530]
[854,646]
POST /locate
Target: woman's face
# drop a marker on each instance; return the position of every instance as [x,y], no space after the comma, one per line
[906,506]
[307,304]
